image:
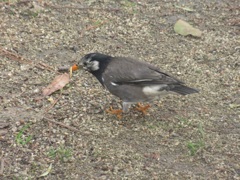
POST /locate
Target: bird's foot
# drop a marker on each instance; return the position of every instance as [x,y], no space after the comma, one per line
[142,108]
[117,112]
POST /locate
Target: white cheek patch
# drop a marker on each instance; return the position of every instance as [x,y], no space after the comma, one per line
[94,65]
[154,90]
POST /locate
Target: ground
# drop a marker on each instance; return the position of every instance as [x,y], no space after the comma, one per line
[181,137]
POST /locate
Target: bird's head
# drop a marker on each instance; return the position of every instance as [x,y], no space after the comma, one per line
[94,62]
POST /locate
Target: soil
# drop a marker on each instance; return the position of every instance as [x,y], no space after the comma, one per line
[68,135]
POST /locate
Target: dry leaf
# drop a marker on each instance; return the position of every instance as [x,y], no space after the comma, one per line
[234,106]
[183,28]
[58,83]
[47,172]
[51,100]
[185,8]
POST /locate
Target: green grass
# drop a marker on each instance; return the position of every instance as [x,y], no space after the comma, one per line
[196,146]
[29,13]
[155,124]
[129,3]
[130,6]
[97,23]
[21,138]
[10,1]
[183,122]
[62,153]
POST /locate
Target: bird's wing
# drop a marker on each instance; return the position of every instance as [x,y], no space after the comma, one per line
[130,71]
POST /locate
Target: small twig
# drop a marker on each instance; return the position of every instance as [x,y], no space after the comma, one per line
[54,103]
[81,8]
[88,28]
[15,2]
[55,122]
[4,125]
[14,56]
[46,66]
[234,8]
[61,124]
[95,26]
[2,166]
[21,59]
[3,132]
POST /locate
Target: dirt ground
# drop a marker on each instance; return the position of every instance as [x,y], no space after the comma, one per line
[190,137]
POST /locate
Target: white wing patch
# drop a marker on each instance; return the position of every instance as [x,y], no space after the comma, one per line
[114,84]
[154,90]
[141,80]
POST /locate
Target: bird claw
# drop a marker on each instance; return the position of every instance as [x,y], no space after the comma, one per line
[142,108]
[117,112]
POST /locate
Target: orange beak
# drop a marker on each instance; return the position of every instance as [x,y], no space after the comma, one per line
[75,67]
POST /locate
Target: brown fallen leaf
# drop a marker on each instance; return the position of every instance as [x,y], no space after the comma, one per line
[58,83]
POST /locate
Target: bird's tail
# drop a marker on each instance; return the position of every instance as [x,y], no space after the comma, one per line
[184,90]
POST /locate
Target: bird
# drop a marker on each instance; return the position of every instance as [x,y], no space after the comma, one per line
[132,80]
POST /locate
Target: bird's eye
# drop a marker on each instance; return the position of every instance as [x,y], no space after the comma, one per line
[85,63]
[88,56]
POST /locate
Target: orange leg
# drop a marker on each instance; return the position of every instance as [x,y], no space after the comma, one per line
[117,112]
[142,108]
